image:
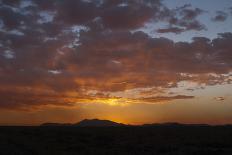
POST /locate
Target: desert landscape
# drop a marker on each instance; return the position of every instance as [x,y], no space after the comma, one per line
[99,137]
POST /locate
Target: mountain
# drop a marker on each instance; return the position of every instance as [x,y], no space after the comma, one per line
[97,122]
[175,124]
[87,123]
[108,123]
[164,124]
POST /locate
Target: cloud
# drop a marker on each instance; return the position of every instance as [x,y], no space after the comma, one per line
[164,98]
[230,9]
[176,30]
[11,2]
[219,98]
[221,16]
[75,51]
[189,13]
[132,14]
[121,14]
[185,18]
[26,100]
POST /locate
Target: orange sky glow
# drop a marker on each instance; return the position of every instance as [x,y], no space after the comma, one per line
[132,62]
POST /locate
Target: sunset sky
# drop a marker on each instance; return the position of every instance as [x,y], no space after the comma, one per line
[129,61]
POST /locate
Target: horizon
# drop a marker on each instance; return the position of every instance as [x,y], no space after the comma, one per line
[128,61]
[71,124]
[130,124]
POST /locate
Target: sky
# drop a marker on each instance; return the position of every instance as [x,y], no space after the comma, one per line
[129,61]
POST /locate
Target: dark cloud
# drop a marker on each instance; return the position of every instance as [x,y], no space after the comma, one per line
[164,98]
[76,12]
[221,16]
[186,17]
[10,18]
[176,30]
[130,14]
[121,14]
[11,2]
[230,10]
[55,53]
[219,98]
[189,13]
[27,99]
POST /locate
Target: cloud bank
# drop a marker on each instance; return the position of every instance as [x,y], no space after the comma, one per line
[57,52]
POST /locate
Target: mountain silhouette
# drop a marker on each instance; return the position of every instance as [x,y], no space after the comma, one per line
[108,123]
[97,122]
[86,123]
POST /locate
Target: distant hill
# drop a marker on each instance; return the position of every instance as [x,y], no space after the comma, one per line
[87,122]
[108,123]
[97,122]
[164,124]
[174,124]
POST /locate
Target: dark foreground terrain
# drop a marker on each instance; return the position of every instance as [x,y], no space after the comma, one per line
[166,140]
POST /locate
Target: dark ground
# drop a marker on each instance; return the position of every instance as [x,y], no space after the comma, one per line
[166,140]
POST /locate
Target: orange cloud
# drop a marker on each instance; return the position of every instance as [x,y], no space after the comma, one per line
[56,53]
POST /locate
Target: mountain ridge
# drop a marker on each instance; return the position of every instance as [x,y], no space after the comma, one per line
[86,123]
[109,123]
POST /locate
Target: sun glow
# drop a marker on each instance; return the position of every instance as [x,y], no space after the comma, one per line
[113,101]
[108,101]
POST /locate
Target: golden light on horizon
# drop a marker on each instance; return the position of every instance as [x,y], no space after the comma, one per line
[108,101]
[132,62]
